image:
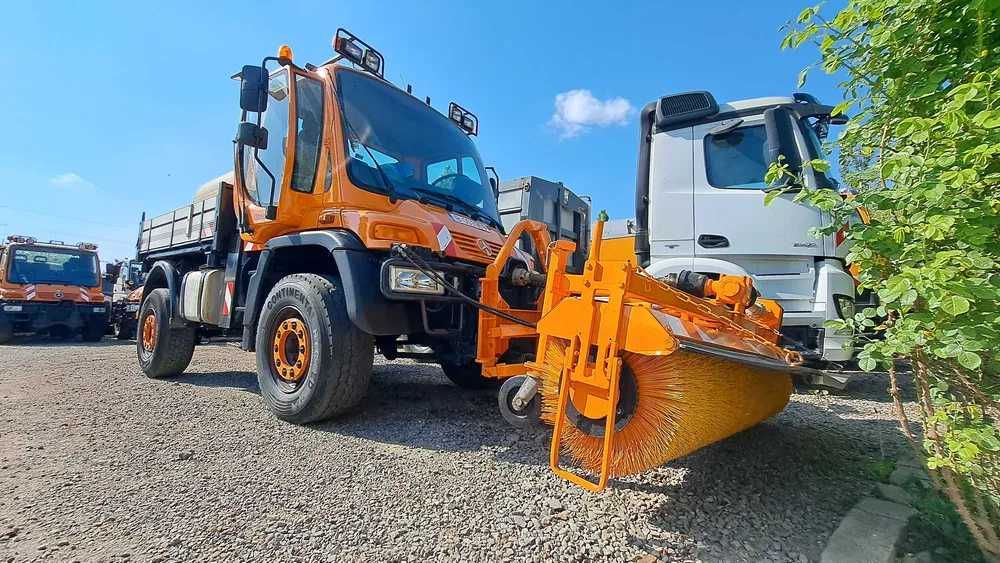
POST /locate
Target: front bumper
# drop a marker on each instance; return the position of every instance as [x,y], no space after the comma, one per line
[33,316]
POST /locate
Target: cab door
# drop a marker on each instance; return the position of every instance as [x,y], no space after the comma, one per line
[730,216]
[289,164]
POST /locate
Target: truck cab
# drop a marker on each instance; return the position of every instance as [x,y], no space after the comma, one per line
[700,207]
[50,287]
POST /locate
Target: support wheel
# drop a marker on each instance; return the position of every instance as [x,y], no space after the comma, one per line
[528,416]
[163,351]
[313,363]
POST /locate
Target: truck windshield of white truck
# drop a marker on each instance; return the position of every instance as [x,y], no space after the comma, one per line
[422,153]
[45,265]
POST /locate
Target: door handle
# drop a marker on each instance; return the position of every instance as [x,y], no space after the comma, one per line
[713,241]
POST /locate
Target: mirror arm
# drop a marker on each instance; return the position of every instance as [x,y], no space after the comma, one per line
[271,211]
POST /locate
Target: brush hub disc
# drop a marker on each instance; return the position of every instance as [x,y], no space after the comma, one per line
[628,400]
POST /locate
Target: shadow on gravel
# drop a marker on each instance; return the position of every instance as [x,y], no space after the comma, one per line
[873,386]
[779,488]
[50,342]
[241,380]
[414,405]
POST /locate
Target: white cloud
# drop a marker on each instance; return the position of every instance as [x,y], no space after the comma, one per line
[72,181]
[578,110]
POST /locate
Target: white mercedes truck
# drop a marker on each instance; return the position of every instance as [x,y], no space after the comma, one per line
[699,206]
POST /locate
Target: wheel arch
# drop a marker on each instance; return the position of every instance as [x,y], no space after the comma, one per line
[161,275]
[310,252]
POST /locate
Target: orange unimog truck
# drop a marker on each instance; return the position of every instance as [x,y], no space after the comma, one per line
[50,287]
[296,252]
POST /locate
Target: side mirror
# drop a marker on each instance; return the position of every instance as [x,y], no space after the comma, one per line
[822,128]
[494,182]
[252,135]
[253,88]
[781,143]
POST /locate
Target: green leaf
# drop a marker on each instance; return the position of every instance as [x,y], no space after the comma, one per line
[990,119]
[842,107]
[801,81]
[771,196]
[955,305]
[969,360]
[867,364]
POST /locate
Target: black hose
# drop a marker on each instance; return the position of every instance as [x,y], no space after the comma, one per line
[419,264]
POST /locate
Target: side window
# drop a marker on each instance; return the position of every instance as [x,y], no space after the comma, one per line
[470,170]
[309,132]
[275,120]
[737,159]
[438,170]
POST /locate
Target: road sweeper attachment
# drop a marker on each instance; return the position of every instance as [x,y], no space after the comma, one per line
[631,371]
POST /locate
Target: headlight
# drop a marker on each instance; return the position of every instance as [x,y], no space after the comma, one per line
[12,308]
[845,306]
[411,280]
[98,309]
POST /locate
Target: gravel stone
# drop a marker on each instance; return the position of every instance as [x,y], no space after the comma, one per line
[90,452]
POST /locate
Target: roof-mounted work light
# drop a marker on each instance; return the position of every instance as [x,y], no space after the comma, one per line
[87,246]
[464,118]
[358,52]
[21,239]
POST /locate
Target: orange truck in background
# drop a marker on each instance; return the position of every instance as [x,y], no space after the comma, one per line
[50,287]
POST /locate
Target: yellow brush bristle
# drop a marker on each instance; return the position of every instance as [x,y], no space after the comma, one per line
[685,402]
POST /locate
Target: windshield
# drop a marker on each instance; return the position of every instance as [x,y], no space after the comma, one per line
[422,153]
[49,265]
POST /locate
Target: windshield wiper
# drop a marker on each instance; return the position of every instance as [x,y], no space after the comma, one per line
[469,209]
[434,197]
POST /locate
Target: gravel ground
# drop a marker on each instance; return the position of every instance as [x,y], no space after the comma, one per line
[98,463]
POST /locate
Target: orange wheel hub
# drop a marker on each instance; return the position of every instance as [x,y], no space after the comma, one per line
[291,349]
[149,332]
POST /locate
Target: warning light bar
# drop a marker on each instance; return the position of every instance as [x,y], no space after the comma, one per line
[358,52]
[464,118]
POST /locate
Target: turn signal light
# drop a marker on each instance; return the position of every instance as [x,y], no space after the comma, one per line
[395,233]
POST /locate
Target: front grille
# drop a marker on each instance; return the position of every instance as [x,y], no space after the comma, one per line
[470,245]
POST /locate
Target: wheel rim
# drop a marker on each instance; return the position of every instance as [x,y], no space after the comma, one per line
[149,332]
[290,348]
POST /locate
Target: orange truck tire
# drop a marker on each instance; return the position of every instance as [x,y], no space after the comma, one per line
[162,351]
[313,363]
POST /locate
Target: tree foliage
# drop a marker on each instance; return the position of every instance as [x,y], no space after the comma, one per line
[922,151]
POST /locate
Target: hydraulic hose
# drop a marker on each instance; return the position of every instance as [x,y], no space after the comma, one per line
[419,264]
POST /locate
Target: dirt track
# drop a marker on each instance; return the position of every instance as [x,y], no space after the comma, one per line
[100,463]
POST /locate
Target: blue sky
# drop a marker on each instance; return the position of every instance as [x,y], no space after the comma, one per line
[112,108]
